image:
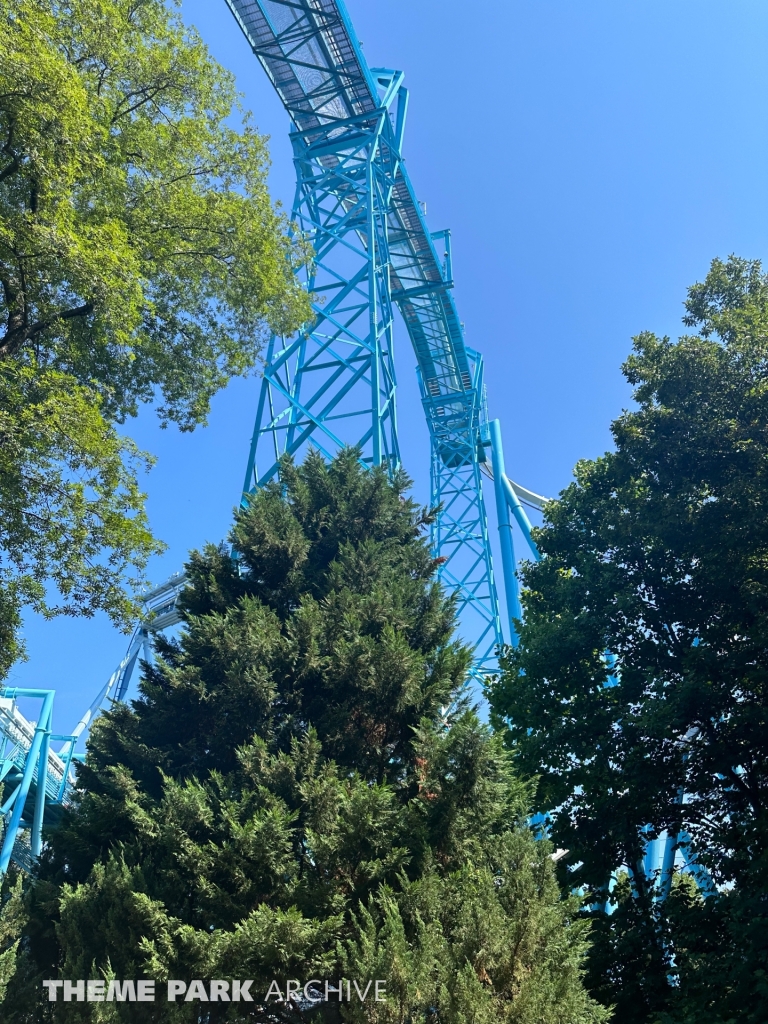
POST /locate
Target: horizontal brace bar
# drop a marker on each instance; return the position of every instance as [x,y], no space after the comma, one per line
[399,294]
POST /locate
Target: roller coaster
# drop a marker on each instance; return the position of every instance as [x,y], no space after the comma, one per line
[334,382]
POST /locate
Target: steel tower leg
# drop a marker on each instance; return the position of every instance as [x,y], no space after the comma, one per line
[460,536]
[40,794]
[460,533]
[334,383]
[509,565]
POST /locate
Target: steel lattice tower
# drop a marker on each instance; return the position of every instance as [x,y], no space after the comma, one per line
[334,383]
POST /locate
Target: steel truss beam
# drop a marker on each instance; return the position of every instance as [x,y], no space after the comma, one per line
[334,383]
[25,746]
[159,612]
[460,532]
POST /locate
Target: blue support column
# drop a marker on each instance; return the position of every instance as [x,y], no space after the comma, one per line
[511,587]
[460,533]
[667,866]
[334,383]
[66,754]
[32,764]
[520,515]
[26,760]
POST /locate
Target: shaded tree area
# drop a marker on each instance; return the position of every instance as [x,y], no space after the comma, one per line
[658,554]
[302,790]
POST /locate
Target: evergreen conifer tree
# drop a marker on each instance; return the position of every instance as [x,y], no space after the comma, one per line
[303,791]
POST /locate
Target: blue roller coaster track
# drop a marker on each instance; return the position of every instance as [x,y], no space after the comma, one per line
[334,382]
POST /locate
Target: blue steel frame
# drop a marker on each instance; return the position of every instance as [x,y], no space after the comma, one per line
[25,749]
[460,532]
[24,760]
[508,508]
[334,382]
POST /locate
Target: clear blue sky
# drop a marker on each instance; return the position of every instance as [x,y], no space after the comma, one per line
[590,157]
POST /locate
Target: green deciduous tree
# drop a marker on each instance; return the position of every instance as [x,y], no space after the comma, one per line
[71,505]
[141,260]
[658,554]
[301,791]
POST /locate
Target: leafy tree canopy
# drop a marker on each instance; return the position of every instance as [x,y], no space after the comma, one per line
[139,249]
[141,260]
[658,554]
[72,510]
[301,791]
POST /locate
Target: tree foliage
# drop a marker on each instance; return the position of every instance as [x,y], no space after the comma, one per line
[141,260]
[139,249]
[301,791]
[658,554]
[71,505]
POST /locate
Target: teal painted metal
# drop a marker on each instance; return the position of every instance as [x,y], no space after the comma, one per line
[460,532]
[25,760]
[334,382]
[516,507]
[504,518]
